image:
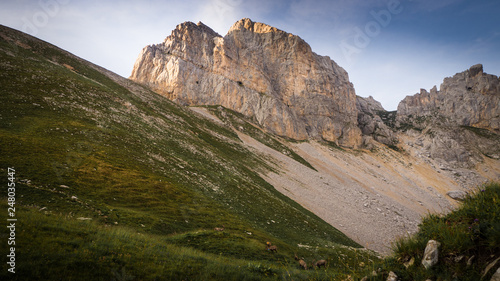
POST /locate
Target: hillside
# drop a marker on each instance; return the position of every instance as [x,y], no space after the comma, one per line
[113,179]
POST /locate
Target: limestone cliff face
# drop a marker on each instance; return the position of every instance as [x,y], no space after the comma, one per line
[459,124]
[257,70]
[469,98]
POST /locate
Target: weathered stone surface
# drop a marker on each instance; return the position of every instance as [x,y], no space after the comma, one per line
[392,277]
[457,195]
[257,70]
[460,123]
[370,122]
[431,254]
[469,98]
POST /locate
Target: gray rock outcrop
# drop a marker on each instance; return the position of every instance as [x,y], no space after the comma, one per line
[260,71]
[470,98]
[370,113]
[457,125]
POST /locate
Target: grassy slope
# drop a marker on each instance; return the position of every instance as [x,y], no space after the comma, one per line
[472,232]
[153,178]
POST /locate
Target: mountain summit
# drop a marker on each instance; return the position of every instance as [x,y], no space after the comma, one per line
[260,71]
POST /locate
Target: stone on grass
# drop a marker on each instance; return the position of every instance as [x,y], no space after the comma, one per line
[431,254]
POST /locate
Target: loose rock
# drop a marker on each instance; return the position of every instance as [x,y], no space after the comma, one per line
[431,254]
[392,277]
[457,195]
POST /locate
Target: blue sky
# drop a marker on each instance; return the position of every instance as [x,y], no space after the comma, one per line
[390,48]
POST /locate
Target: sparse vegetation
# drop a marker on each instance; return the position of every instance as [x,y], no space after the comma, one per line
[388,117]
[469,237]
[481,132]
[240,122]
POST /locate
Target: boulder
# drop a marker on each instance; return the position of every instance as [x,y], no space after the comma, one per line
[489,267]
[457,195]
[431,254]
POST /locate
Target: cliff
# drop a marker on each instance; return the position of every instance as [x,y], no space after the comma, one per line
[470,98]
[459,125]
[260,71]
[373,121]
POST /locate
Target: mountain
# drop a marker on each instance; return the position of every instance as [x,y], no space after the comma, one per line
[218,145]
[459,124]
[470,98]
[275,81]
[260,71]
[115,182]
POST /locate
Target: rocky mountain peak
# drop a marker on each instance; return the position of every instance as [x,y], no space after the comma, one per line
[260,71]
[476,70]
[457,124]
[469,98]
[247,24]
[190,27]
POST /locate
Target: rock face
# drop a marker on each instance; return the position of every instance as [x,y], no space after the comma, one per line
[370,113]
[431,254]
[470,98]
[259,71]
[460,123]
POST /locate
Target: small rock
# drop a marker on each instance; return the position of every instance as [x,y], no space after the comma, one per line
[457,195]
[74,198]
[431,253]
[64,186]
[410,262]
[392,277]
